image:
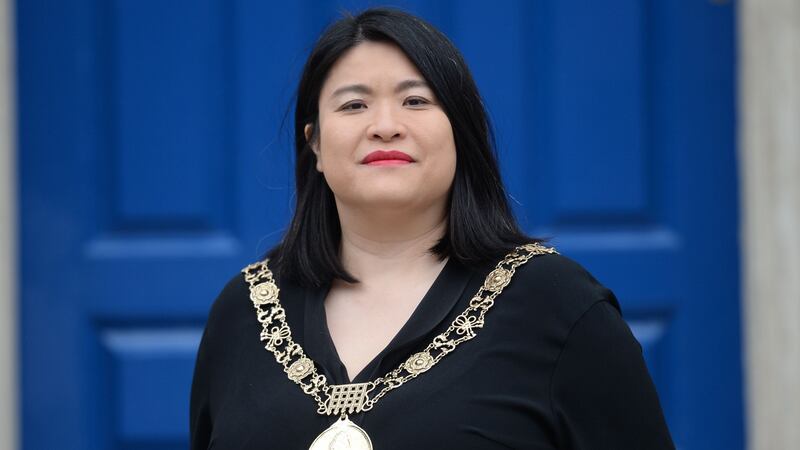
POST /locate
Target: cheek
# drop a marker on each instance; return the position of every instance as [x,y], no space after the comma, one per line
[335,158]
[439,128]
[441,142]
[338,145]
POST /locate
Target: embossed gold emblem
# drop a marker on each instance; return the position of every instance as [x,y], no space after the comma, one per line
[264,293]
[418,362]
[342,435]
[497,279]
[300,368]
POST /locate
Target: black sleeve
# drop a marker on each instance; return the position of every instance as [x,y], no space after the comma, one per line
[199,417]
[213,357]
[601,392]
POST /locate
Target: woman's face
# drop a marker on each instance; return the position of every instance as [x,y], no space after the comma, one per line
[375,99]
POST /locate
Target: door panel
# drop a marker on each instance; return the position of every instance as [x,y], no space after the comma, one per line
[155,160]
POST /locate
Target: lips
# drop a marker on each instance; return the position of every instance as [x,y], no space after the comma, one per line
[387,157]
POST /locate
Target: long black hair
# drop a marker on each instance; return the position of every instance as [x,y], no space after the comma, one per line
[481,226]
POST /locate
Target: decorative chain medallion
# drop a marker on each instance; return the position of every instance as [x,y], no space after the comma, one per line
[347,398]
[355,398]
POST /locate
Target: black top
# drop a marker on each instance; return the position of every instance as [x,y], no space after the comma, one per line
[554,367]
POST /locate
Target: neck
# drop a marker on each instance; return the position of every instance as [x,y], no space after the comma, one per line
[378,246]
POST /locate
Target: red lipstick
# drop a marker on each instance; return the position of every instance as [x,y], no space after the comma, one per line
[386,157]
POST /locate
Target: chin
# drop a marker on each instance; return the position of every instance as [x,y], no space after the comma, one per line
[389,201]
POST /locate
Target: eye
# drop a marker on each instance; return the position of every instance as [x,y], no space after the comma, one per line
[417,101]
[353,106]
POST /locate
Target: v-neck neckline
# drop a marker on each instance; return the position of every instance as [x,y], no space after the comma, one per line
[435,306]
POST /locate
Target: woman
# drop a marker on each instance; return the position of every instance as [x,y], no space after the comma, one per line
[404,308]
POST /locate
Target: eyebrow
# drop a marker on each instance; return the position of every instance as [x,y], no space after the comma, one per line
[364,89]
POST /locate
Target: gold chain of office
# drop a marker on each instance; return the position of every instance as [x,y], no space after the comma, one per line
[356,397]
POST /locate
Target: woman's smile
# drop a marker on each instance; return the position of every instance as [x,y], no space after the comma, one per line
[387,158]
[389,162]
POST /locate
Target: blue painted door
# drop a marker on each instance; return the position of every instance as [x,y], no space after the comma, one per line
[153,166]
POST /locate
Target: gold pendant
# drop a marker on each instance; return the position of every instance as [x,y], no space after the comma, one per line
[342,435]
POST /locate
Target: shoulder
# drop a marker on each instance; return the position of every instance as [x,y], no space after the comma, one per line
[556,287]
[231,310]
[233,293]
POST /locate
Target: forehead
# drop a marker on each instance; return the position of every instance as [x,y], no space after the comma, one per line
[371,63]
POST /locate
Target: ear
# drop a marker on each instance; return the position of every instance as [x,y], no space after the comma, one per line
[308,130]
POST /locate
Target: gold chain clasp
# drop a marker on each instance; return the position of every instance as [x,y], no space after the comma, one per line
[347,398]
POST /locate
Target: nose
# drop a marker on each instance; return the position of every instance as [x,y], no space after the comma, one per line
[386,125]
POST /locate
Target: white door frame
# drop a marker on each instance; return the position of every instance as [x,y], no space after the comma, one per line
[9,408]
[769,156]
